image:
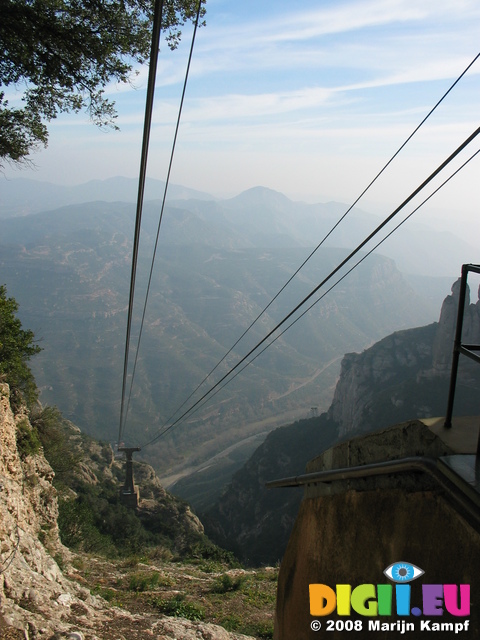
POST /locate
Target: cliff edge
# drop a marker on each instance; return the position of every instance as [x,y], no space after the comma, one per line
[35,597]
[39,595]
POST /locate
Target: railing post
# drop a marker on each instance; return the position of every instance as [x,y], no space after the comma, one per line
[456,346]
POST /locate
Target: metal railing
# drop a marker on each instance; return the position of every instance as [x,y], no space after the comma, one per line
[419,464]
[472,351]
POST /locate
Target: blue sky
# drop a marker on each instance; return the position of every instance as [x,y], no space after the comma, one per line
[309,98]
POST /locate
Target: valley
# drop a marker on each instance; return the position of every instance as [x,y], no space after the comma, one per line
[69,270]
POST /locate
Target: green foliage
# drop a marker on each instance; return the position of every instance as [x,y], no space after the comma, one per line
[231,622]
[257,596]
[225,583]
[203,550]
[107,594]
[77,528]
[16,348]
[48,423]
[262,630]
[179,607]
[28,442]
[63,53]
[96,521]
[144,581]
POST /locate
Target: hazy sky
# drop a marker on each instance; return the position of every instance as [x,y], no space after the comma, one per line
[309,98]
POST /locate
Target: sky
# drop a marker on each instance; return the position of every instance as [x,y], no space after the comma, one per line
[308,98]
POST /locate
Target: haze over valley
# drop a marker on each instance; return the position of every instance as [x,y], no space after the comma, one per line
[231,241]
[219,263]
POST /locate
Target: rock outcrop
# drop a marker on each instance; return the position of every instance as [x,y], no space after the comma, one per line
[37,601]
[406,374]
[99,466]
[443,342]
[35,596]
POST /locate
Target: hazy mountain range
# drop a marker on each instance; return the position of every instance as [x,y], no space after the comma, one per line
[219,263]
[258,217]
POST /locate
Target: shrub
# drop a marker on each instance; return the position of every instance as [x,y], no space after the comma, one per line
[28,442]
[48,423]
[143,581]
[262,630]
[225,583]
[179,607]
[17,346]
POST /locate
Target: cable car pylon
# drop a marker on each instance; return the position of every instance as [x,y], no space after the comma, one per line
[129,493]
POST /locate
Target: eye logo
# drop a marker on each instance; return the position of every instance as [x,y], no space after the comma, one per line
[402,572]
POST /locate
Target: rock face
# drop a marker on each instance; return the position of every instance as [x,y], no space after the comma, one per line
[406,374]
[442,345]
[33,591]
[37,601]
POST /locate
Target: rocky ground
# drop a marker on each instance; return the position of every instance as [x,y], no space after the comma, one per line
[140,598]
[165,599]
[48,592]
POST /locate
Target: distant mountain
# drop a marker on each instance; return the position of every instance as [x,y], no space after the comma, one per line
[259,217]
[70,269]
[267,218]
[401,377]
[20,196]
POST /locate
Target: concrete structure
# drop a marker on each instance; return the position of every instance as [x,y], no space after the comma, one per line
[350,529]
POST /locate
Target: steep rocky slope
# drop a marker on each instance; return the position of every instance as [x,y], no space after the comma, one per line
[91,491]
[404,376]
[35,596]
[39,600]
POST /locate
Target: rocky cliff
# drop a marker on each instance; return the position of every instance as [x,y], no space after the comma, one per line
[35,596]
[404,376]
[38,599]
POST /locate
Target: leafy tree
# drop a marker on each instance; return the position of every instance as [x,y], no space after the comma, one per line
[51,428]
[61,54]
[17,346]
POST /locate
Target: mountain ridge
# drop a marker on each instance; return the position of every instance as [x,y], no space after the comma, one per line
[262,217]
[71,280]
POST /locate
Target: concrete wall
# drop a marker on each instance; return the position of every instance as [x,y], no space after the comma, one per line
[349,536]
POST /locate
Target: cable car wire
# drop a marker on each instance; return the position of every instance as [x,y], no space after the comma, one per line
[371,183]
[152,72]
[438,170]
[321,297]
[167,181]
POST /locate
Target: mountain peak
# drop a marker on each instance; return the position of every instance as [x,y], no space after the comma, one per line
[261,196]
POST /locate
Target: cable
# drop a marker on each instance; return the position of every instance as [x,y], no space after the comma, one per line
[322,296]
[336,283]
[332,273]
[157,24]
[163,207]
[325,238]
